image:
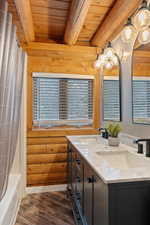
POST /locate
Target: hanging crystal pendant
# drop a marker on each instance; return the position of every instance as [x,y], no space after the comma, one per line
[144,36]
[142,18]
[109,51]
[129,32]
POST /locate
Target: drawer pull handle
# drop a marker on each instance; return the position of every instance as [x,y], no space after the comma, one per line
[78,161]
[78,196]
[90,180]
[78,179]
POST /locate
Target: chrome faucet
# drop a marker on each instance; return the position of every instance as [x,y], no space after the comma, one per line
[104,132]
[147,140]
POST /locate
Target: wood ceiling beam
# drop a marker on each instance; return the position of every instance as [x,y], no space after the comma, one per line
[61,47]
[25,14]
[58,50]
[78,12]
[114,21]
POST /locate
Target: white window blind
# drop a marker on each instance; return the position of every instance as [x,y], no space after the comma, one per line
[141,101]
[62,101]
[111,98]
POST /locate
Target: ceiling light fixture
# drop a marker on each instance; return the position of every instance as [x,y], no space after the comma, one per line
[142,17]
[109,65]
[108,59]
[109,51]
[144,36]
[100,61]
[115,60]
[97,64]
[129,32]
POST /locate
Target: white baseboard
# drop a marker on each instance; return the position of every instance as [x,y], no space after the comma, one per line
[49,188]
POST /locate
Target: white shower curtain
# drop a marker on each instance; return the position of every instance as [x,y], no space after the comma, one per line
[11,83]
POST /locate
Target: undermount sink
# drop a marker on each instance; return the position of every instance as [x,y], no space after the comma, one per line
[122,159]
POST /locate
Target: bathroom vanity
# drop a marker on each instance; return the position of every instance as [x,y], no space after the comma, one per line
[107,186]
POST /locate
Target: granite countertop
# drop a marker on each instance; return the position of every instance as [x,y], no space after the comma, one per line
[127,167]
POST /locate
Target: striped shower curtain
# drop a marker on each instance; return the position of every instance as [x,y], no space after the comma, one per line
[11,83]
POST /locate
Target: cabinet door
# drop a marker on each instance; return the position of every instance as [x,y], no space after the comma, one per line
[74,171]
[79,182]
[88,193]
[69,166]
[100,202]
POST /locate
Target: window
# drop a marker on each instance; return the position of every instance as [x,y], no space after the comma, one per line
[141,100]
[111,96]
[62,101]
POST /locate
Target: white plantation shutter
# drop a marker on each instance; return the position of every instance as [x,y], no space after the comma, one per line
[62,101]
[46,99]
[80,99]
[111,95]
[141,101]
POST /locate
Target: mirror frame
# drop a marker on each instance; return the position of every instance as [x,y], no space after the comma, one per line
[120,94]
[133,122]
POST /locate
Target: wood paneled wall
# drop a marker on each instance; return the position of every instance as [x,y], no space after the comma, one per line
[141,63]
[47,149]
[46,161]
[141,69]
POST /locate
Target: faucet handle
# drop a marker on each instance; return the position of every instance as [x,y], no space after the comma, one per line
[135,141]
[104,132]
[100,128]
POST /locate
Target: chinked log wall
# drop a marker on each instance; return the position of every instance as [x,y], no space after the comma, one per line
[47,149]
[46,160]
[46,156]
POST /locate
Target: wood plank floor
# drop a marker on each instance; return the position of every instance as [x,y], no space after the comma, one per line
[51,208]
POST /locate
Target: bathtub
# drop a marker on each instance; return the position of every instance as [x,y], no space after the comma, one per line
[9,205]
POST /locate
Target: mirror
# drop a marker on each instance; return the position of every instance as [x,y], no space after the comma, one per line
[141,86]
[112,93]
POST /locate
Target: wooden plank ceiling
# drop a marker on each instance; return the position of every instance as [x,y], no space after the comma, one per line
[50,18]
[68,21]
[95,16]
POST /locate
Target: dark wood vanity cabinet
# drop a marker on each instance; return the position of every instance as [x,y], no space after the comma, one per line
[97,203]
[100,202]
[87,191]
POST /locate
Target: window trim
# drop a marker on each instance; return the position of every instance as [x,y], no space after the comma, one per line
[89,129]
[63,115]
[120,94]
[62,75]
[61,122]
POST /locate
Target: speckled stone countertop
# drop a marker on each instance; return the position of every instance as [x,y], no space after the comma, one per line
[112,164]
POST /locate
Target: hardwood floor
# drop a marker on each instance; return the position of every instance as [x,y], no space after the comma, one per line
[51,208]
